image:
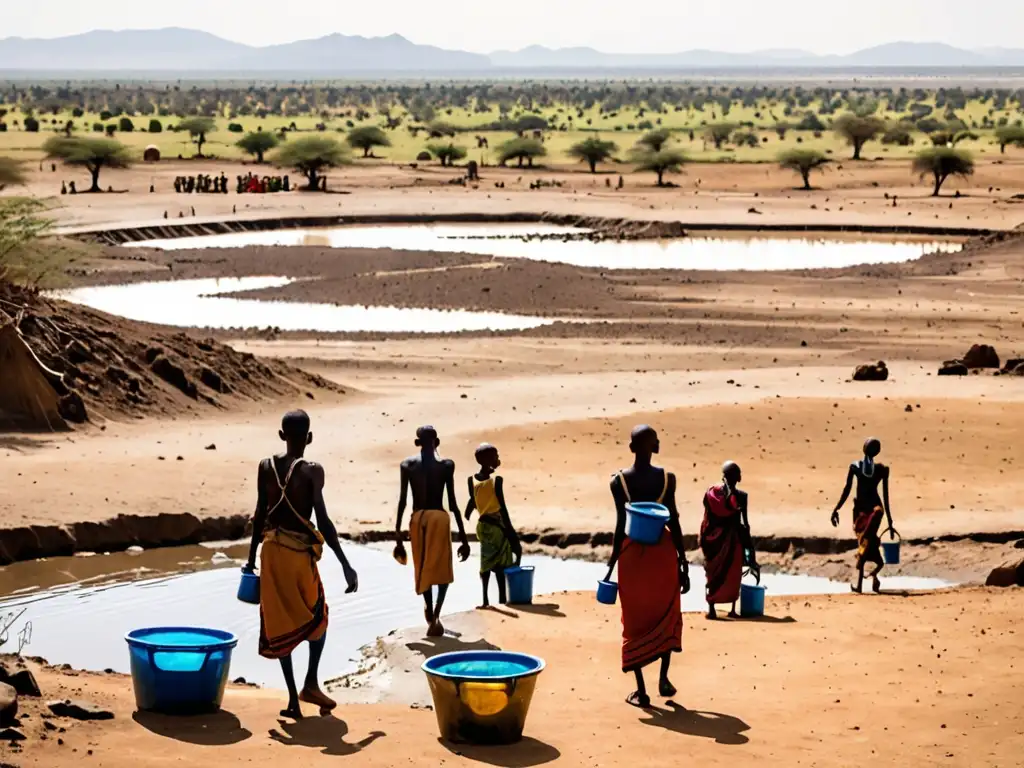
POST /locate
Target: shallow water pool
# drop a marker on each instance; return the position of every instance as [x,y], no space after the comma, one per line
[516,241]
[197,304]
[81,608]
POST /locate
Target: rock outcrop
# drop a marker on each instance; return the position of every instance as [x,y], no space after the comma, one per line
[981,356]
[1007,575]
[873,372]
[953,368]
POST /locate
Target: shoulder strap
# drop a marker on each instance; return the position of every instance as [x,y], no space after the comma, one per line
[664,489]
[283,487]
[625,488]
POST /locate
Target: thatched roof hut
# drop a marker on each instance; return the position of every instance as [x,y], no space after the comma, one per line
[27,398]
[151,154]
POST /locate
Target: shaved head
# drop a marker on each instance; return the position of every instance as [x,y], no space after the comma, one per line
[295,425]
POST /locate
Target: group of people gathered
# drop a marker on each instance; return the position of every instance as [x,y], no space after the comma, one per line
[651,577]
[203,184]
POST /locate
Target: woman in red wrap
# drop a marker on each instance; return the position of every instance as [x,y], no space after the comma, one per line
[651,577]
[725,540]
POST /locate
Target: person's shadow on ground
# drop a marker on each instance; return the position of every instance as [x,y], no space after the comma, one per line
[523,754]
[724,729]
[552,610]
[449,643]
[326,734]
[217,729]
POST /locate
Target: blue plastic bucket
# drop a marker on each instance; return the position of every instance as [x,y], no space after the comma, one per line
[249,588]
[519,579]
[180,669]
[607,592]
[482,697]
[891,548]
[645,521]
[752,600]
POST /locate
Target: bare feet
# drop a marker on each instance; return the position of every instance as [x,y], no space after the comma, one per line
[733,614]
[436,629]
[856,589]
[637,699]
[876,585]
[666,689]
[712,615]
[311,694]
[293,711]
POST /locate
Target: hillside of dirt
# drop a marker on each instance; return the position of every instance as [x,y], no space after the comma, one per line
[119,368]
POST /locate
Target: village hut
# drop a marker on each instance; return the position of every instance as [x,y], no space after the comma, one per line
[28,401]
[151,154]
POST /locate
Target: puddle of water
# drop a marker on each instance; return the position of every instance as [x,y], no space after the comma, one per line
[195,304]
[80,615]
[703,253]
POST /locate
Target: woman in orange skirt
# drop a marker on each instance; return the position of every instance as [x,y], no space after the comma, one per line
[651,577]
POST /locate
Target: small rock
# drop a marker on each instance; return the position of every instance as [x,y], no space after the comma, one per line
[909,409]
[872,372]
[11,734]
[135,549]
[463,396]
[953,368]
[211,447]
[981,356]
[25,684]
[79,710]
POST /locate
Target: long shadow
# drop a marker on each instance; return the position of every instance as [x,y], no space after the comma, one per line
[326,734]
[217,729]
[23,443]
[724,729]
[435,646]
[542,609]
[522,754]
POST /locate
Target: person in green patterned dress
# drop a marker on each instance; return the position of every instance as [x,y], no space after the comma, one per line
[499,544]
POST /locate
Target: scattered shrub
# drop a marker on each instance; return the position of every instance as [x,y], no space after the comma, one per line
[31,125]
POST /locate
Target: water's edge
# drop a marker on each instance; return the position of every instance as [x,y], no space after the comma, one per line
[171,530]
[625,228]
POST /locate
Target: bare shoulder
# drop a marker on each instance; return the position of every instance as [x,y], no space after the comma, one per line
[448,464]
[410,462]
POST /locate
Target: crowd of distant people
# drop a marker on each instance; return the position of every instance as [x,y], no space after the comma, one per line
[218,185]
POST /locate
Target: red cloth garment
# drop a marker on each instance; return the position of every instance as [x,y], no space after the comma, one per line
[652,619]
[866,523]
[721,541]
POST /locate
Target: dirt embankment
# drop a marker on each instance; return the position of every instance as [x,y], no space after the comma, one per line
[122,368]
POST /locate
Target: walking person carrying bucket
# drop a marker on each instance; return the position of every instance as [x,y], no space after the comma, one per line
[868,509]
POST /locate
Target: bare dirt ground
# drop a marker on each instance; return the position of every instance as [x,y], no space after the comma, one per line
[928,679]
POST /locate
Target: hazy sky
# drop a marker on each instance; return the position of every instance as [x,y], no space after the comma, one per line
[821,26]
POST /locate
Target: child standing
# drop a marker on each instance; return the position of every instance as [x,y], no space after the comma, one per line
[499,544]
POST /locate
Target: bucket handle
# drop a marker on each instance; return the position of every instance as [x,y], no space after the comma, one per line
[755,572]
[207,652]
[893,533]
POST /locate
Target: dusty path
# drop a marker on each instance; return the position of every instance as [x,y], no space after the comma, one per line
[932,679]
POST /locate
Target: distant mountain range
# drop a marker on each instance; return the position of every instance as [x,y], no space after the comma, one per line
[185,50]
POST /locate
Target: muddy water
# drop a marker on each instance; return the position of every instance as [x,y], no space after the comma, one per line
[196,304]
[513,241]
[80,608]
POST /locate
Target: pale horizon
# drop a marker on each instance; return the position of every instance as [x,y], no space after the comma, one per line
[783,24]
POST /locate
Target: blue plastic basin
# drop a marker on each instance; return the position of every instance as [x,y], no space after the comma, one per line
[645,521]
[180,669]
[751,600]
[482,697]
[607,592]
[519,579]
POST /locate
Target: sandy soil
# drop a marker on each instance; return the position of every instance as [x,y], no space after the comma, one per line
[931,679]
[851,193]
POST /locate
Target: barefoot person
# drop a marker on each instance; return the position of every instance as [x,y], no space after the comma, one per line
[867,510]
[430,535]
[725,540]
[292,605]
[650,576]
[499,544]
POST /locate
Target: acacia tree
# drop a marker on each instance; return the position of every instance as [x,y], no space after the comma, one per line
[311,155]
[93,154]
[654,141]
[521,149]
[1009,134]
[258,144]
[366,138]
[942,162]
[593,151]
[448,154]
[719,133]
[10,173]
[803,161]
[198,128]
[667,160]
[858,130]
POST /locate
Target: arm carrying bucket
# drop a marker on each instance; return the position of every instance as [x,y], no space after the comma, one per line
[891,549]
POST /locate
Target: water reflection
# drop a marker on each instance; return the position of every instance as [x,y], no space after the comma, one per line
[195,304]
[512,241]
